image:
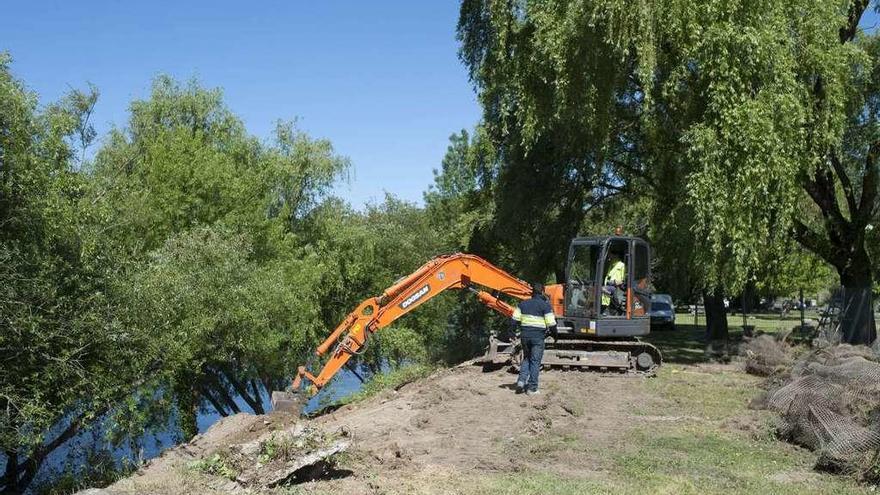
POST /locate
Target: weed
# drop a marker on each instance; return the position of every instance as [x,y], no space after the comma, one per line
[219,464]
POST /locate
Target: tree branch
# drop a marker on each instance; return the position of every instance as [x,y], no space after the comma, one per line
[242,391]
[869,189]
[843,177]
[33,463]
[816,243]
[821,189]
[856,9]
[224,395]
[628,168]
[206,393]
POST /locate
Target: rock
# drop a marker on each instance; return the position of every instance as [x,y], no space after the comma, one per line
[316,460]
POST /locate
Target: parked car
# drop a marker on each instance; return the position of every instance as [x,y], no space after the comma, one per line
[663,298]
[662,312]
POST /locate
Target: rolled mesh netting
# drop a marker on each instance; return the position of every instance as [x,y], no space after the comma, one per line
[831,404]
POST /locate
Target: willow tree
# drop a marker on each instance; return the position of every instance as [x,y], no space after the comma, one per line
[726,114]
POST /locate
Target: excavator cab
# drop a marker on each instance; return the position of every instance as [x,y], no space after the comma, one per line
[607,290]
[602,306]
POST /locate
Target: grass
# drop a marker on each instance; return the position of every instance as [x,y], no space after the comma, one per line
[769,322]
[699,459]
[718,446]
[687,343]
[708,441]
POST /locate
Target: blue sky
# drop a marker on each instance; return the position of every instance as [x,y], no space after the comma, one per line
[381,80]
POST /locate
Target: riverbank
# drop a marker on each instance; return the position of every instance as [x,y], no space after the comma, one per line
[462,430]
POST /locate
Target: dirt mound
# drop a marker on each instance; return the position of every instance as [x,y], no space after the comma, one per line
[458,420]
[461,417]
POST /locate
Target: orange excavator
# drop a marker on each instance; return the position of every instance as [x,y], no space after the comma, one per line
[599,321]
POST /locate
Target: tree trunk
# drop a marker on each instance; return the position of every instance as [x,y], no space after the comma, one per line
[241,390]
[749,299]
[227,399]
[716,323]
[857,313]
[216,405]
[255,386]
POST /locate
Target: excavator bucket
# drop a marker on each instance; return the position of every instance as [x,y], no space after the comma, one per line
[293,399]
[290,402]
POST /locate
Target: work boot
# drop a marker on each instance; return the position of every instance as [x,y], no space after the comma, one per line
[532,392]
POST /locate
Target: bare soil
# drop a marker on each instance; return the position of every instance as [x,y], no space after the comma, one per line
[459,420]
[467,419]
[466,431]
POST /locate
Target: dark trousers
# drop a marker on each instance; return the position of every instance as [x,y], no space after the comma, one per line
[533,351]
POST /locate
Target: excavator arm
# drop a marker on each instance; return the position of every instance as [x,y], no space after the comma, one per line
[454,271]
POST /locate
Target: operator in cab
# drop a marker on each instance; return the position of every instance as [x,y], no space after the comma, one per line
[535,319]
[612,288]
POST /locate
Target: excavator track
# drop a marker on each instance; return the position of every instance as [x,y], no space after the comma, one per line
[631,356]
[620,356]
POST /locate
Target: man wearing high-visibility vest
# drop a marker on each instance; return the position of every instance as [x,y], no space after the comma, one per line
[535,318]
[614,279]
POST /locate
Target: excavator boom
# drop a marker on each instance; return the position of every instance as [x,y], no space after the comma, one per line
[454,271]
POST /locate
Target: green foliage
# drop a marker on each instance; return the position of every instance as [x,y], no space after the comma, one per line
[219,464]
[217,314]
[795,269]
[364,253]
[712,113]
[185,161]
[201,218]
[459,203]
[64,357]
[188,264]
[400,345]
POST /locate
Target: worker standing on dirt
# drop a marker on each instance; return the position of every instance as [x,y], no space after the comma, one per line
[535,318]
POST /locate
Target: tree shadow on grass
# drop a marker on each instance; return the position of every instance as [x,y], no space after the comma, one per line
[687,343]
